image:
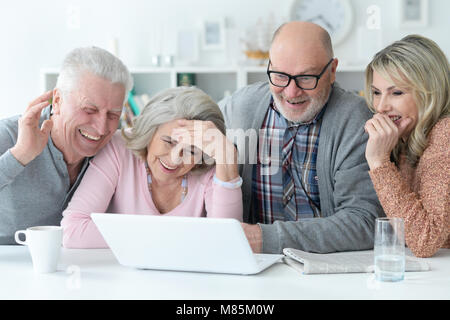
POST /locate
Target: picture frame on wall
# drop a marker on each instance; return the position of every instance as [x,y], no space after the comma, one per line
[413,13]
[213,34]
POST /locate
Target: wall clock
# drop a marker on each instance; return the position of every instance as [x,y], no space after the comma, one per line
[336,16]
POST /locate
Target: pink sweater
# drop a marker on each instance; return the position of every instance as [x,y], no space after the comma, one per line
[116,182]
[421,195]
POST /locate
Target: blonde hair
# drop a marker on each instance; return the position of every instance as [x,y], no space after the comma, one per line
[171,104]
[416,63]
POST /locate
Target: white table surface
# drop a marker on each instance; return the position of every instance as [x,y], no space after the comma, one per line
[96,274]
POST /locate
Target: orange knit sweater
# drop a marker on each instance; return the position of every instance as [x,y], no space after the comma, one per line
[421,195]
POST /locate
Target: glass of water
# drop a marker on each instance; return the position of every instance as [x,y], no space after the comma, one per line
[389,249]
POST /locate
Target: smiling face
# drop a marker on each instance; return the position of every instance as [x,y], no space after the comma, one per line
[86,118]
[395,101]
[297,51]
[169,161]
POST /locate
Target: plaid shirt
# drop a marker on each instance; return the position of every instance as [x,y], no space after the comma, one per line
[267,185]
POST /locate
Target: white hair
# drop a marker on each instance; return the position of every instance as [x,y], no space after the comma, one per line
[97,61]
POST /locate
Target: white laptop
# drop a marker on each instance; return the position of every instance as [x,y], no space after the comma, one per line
[181,243]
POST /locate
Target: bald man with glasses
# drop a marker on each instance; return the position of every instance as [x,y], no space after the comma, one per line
[306,182]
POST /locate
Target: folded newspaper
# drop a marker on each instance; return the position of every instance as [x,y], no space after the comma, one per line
[341,262]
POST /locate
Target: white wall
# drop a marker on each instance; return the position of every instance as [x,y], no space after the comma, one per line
[37,34]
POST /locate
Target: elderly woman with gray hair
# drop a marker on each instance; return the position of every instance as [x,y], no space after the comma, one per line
[174,161]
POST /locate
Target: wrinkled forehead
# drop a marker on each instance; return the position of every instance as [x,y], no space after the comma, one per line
[298,64]
[100,92]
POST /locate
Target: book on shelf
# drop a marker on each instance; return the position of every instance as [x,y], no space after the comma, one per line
[127,116]
[186,79]
[133,103]
[132,108]
[341,262]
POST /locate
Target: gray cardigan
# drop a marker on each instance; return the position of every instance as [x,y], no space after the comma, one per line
[349,204]
[36,194]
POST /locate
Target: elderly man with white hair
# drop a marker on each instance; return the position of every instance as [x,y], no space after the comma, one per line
[45,152]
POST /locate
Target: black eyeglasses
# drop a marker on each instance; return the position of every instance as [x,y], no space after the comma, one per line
[303,81]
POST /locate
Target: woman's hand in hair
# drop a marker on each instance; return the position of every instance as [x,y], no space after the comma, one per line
[205,136]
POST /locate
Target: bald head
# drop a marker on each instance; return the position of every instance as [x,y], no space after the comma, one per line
[298,34]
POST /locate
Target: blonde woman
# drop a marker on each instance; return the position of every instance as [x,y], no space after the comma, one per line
[175,161]
[408,151]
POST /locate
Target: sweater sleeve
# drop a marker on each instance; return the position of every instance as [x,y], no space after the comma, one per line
[222,201]
[427,212]
[348,202]
[10,168]
[93,195]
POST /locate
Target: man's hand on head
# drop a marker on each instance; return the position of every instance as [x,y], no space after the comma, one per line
[32,139]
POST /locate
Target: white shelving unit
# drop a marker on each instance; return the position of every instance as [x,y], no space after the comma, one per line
[215,81]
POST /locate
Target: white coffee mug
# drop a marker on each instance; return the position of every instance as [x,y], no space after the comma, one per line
[44,244]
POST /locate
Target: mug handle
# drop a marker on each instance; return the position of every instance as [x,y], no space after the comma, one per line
[16,237]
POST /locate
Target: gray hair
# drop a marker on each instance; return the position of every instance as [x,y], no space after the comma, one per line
[97,61]
[187,103]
